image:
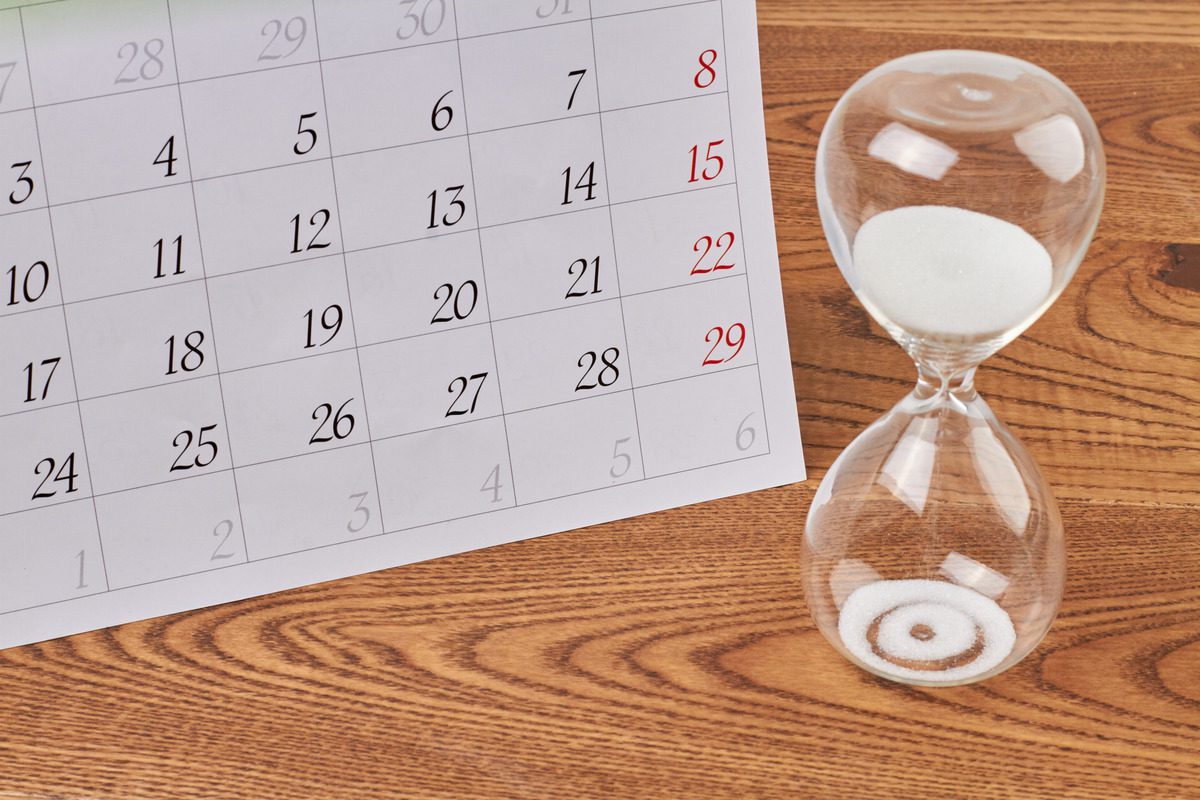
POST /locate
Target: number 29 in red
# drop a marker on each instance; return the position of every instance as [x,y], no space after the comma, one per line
[713,163]
[732,338]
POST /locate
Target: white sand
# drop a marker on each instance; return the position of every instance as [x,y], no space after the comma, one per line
[954,618]
[944,271]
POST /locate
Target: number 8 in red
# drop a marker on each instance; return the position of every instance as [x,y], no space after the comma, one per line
[707,75]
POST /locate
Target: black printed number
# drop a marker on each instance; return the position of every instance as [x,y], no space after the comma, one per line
[442,115]
[189,357]
[580,268]
[577,74]
[32,285]
[329,324]
[65,473]
[598,371]
[25,184]
[340,424]
[457,304]
[166,158]
[194,451]
[586,182]
[308,135]
[164,259]
[458,387]
[453,215]
[31,394]
[316,224]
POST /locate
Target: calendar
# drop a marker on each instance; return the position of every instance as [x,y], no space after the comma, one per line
[292,290]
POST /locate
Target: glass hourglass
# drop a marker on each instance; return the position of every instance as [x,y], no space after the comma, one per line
[958,191]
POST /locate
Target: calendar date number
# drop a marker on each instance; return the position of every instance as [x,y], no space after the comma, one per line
[423,17]
[712,165]
[586,183]
[316,226]
[223,532]
[332,425]
[25,184]
[723,341]
[52,472]
[453,209]
[7,68]
[28,286]
[188,357]
[599,371]
[553,7]
[196,450]
[143,62]
[587,277]
[457,303]
[284,39]
[48,367]
[328,325]
[706,245]
[463,388]
[707,75]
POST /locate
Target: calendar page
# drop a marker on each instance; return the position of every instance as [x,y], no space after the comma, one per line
[293,290]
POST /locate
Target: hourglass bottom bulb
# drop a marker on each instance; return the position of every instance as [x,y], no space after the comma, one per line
[933,549]
[925,630]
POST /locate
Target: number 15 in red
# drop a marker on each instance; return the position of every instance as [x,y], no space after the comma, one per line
[712,166]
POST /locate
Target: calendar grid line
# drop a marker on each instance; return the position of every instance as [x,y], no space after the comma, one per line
[394,532]
[630,201]
[370,248]
[341,350]
[390,437]
[67,336]
[742,225]
[362,387]
[207,296]
[388,148]
[612,233]
[487,295]
[184,82]
[368,150]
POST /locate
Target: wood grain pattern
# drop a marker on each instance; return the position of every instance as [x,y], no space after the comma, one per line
[671,656]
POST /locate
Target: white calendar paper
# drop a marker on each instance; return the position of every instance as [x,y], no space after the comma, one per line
[294,290]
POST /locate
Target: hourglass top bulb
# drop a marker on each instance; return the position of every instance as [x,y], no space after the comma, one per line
[958,191]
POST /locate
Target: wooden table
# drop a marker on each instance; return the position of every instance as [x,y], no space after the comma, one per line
[672,656]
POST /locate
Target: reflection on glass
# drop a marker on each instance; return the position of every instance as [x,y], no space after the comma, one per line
[912,151]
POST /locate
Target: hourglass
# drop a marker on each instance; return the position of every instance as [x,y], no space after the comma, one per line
[958,191]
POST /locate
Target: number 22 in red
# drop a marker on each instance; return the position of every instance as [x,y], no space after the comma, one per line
[725,240]
[734,337]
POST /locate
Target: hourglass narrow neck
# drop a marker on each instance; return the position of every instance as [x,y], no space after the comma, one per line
[958,385]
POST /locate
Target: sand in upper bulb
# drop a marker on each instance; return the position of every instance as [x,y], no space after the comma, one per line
[949,272]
